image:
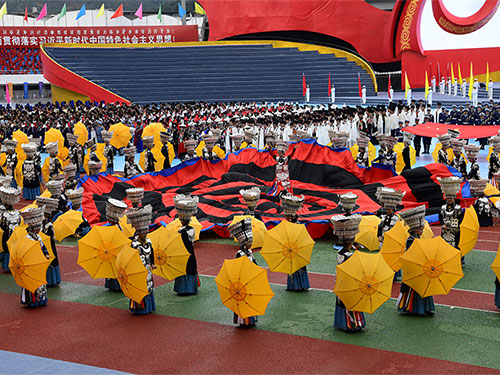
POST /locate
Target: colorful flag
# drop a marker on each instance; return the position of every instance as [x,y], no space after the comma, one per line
[198,9]
[43,13]
[26,14]
[63,12]
[7,93]
[3,10]
[426,85]
[359,86]
[159,16]
[459,74]
[389,87]
[487,75]
[329,85]
[407,85]
[81,13]
[182,11]
[471,81]
[138,13]
[304,85]
[101,11]
[452,74]
[118,12]
[447,70]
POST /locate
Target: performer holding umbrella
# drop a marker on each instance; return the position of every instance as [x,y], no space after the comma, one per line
[51,206]
[474,173]
[131,168]
[75,197]
[186,207]
[10,219]
[75,153]
[31,173]
[251,197]
[494,163]
[10,164]
[482,205]
[345,229]
[109,151]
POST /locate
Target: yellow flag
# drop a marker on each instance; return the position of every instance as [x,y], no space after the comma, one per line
[3,10]
[471,81]
[487,75]
[101,11]
[198,9]
[459,74]
[426,85]
[452,74]
[407,86]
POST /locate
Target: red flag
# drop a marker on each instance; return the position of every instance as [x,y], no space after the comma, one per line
[447,71]
[389,86]
[118,12]
[329,85]
[359,85]
[26,14]
[439,73]
[304,86]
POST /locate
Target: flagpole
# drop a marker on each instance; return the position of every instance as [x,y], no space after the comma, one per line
[183,3]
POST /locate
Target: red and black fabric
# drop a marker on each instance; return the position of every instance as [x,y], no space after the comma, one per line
[318,172]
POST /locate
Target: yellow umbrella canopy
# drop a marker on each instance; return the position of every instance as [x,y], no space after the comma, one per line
[100,155]
[259,230]
[28,264]
[1,242]
[46,169]
[398,149]
[427,233]
[54,135]
[21,139]
[127,228]
[438,147]
[469,231]
[491,190]
[97,251]
[287,247]
[364,282]
[153,130]
[394,245]
[67,224]
[121,135]
[175,225]
[243,287]
[367,235]
[171,256]
[132,275]
[431,266]
[156,150]
[495,266]
[372,152]
[20,232]
[81,131]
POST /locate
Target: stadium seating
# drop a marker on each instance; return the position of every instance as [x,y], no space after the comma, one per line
[20,61]
[213,73]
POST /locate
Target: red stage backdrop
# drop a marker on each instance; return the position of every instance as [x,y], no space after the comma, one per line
[32,37]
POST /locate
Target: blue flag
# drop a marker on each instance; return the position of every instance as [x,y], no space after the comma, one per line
[81,13]
[26,92]
[182,12]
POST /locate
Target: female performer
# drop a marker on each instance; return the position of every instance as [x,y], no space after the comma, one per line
[9,220]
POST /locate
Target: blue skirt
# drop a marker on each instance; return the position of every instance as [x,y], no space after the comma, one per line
[31,299]
[110,170]
[147,305]
[113,285]
[410,301]
[13,183]
[186,285]
[30,194]
[299,280]
[497,297]
[349,321]
[53,276]
[5,261]
[249,322]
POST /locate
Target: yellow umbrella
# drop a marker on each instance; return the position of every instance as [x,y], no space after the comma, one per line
[364,282]
[398,148]
[367,235]
[156,150]
[394,245]
[431,266]
[372,152]
[438,147]
[127,228]
[427,233]
[495,266]
[287,247]
[259,230]
[54,135]
[20,232]
[121,135]
[21,139]
[491,190]
[243,287]
[132,275]
[67,224]
[175,225]
[46,169]
[469,231]
[28,264]
[81,131]
[97,251]
[153,130]
[171,256]
[63,154]
[1,242]
[100,155]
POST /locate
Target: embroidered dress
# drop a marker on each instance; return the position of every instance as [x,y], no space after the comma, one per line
[149,161]
[474,173]
[409,301]
[53,272]
[443,157]
[10,219]
[31,180]
[450,218]
[188,284]
[460,165]
[348,321]
[131,169]
[39,297]
[387,221]
[164,152]
[282,174]
[299,280]
[10,167]
[483,209]
[74,156]
[251,320]
[209,155]
[493,166]
[148,304]
[362,158]
[109,153]
[55,168]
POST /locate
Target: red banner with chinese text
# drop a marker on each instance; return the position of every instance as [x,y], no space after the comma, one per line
[32,37]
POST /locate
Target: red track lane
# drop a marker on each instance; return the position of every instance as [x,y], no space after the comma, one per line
[116,339]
